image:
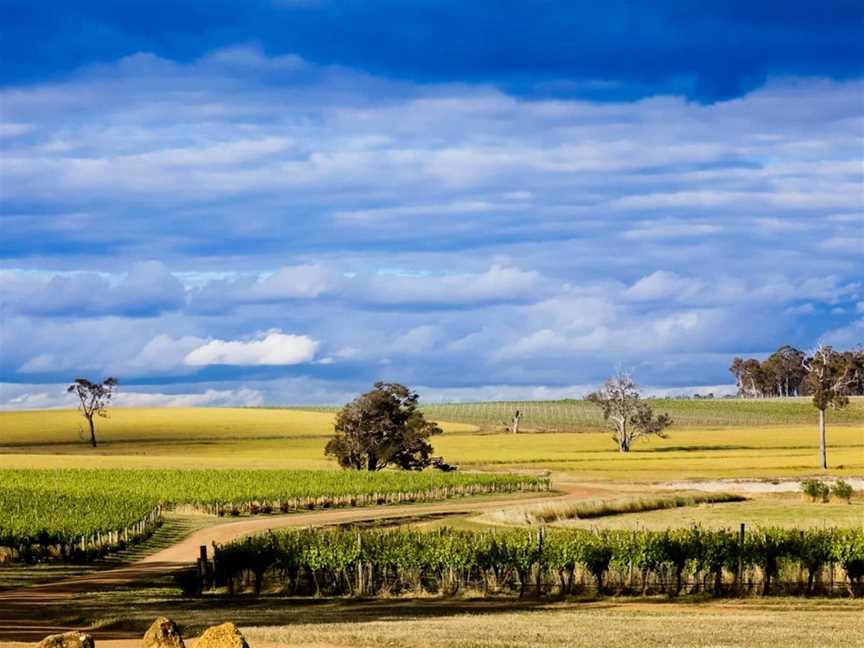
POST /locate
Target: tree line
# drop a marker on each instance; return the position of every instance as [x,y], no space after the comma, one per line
[785,372]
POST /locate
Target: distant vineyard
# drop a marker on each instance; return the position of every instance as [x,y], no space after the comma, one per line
[577,415]
[580,415]
[445,561]
[57,507]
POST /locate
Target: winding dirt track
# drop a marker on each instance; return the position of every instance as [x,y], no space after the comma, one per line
[20,608]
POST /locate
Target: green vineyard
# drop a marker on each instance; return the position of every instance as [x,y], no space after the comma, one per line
[445,561]
[43,508]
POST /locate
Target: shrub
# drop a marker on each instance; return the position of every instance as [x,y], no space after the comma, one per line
[843,490]
[816,490]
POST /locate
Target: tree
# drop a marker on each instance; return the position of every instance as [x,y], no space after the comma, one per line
[786,366]
[383,427]
[631,417]
[830,376]
[94,399]
[514,422]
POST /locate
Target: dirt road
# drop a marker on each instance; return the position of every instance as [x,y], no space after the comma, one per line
[20,618]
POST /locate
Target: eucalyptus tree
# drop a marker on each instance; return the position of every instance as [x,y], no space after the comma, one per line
[94,399]
[631,417]
[830,376]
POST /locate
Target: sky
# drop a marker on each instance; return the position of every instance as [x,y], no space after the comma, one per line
[262,203]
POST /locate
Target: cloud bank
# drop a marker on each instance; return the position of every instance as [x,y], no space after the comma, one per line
[162,212]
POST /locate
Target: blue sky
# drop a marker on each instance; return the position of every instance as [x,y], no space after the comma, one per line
[282,202]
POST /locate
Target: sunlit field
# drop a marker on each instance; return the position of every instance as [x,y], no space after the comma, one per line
[283,438]
[763,510]
[609,624]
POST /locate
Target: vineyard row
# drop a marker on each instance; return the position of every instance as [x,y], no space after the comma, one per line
[564,562]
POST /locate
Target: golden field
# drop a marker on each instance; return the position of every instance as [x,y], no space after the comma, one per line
[285,438]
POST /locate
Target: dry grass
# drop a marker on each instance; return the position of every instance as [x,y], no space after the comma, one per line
[216,437]
[561,511]
[776,509]
[593,626]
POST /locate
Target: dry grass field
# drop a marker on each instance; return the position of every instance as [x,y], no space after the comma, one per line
[282,438]
[604,625]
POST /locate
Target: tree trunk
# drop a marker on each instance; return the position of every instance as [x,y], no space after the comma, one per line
[372,464]
[823,451]
[515,424]
[92,432]
[623,439]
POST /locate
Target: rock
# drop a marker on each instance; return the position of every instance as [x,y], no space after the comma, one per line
[163,634]
[222,636]
[72,639]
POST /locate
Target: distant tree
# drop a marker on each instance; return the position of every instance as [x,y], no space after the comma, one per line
[783,371]
[829,377]
[631,417]
[749,377]
[384,427]
[94,398]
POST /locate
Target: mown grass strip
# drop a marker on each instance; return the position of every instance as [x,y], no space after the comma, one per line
[561,511]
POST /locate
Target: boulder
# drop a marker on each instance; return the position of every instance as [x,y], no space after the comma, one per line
[222,636]
[72,639]
[163,634]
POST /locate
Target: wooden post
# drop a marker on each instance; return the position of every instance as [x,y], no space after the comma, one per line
[360,584]
[202,565]
[740,579]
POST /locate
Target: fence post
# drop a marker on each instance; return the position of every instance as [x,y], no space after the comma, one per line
[359,565]
[740,575]
[202,565]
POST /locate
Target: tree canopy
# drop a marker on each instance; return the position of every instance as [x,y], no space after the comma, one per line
[94,399]
[383,427]
[784,373]
[631,417]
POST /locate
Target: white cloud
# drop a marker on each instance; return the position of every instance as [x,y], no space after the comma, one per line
[498,283]
[146,290]
[165,354]
[665,285]
[296,282]
[208,398]
[34,397]
[274,348]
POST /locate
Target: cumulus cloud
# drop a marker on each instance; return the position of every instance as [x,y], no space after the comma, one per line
[447,235]
[146,290]
[273,348]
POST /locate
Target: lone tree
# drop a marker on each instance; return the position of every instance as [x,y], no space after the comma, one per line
[830,375]
[631,417]
[384,427]
[94,399]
